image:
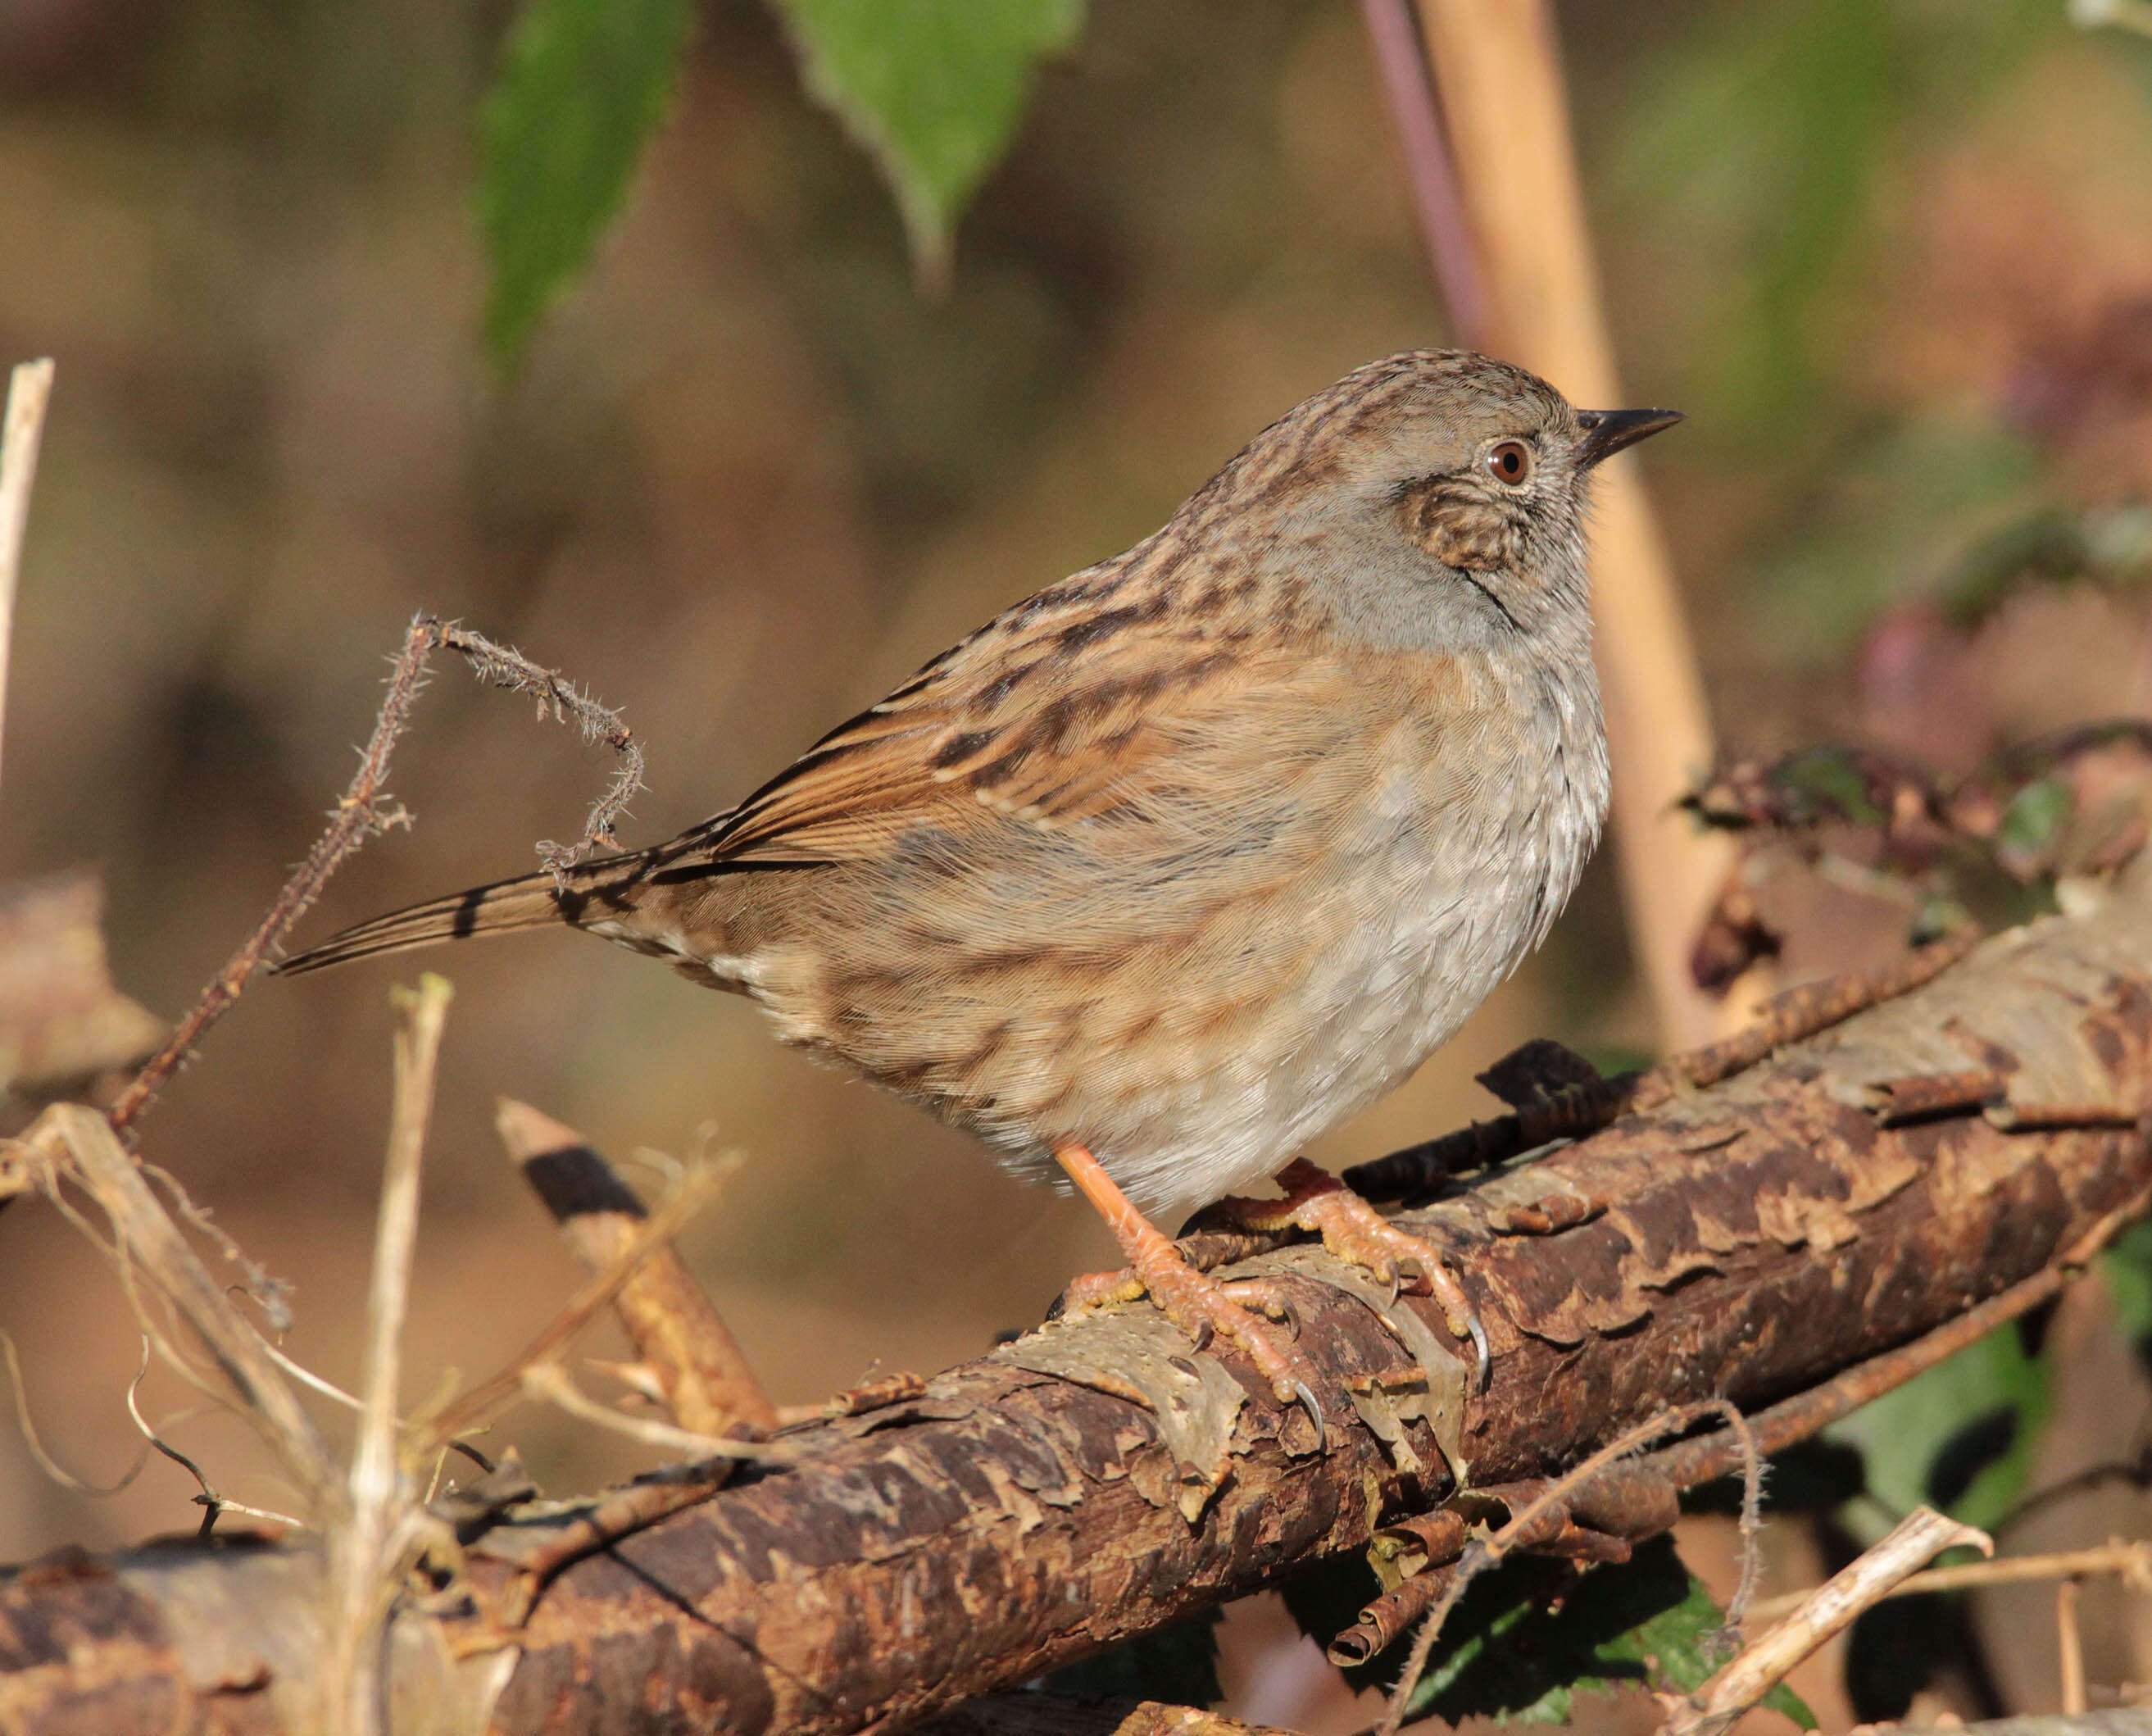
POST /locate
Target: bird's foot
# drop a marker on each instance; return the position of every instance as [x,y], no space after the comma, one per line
[1201,1306]
[1318,1202]
[1206,1309]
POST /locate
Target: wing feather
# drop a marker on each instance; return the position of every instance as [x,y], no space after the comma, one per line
[1045,716]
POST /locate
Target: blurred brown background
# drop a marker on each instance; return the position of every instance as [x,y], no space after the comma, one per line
[1895,262]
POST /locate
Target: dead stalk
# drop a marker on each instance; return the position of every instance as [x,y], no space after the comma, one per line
[700,1372]
[2131,1561]
[364,1548]
[549,1383]
[484,1402]
[1497,66]
[21,431]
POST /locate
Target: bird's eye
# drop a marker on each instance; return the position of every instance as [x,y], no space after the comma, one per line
[1510,462]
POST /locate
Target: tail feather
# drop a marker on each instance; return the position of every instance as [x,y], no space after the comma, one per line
[533,901]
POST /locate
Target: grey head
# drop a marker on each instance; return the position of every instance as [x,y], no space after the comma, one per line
[1432,497]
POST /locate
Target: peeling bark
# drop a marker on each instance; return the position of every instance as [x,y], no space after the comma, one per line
[1098,1479]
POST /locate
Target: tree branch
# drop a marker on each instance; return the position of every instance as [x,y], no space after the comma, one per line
[1746,1241]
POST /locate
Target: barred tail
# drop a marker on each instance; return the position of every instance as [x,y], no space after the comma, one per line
[531,902]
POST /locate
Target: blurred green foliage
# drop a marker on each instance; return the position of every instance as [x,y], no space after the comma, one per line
[1960,1437]
[1771,128]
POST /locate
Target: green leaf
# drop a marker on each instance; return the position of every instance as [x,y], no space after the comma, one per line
[1526,1638]
[1828,782]
[582,85]
[1960,1436]
[1178,1665]
[2036,813]
[933,88]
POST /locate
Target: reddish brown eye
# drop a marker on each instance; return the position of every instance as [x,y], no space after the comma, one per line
[1510,462]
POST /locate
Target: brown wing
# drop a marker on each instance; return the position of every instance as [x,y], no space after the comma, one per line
[1058,711]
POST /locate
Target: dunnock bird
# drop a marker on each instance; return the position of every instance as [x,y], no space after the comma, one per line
[1181,861]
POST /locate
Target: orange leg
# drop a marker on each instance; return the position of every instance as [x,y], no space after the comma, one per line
[1198,1304]
[1352,1230]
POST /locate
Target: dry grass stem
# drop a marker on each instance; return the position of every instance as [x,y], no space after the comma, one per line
[45,1462]
[549,1383]
[484,1402]
[701,1374]
[1715,1706]
[2070,1649]
[81,1147]
[21,431]
[367,1545]
[306,1377]
[2131,1560]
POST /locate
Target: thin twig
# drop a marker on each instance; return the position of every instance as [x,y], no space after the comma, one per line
[1480,1556]
[619,1513]
[1751,1529]
[1798,1013]
[269,1293]
[21,430]
[360,815]
[1715,1706]
[562,701]
[214,1504]
[1571,1111]
[364,1574]
[357,817]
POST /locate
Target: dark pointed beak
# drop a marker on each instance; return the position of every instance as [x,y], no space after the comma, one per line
[1606,432]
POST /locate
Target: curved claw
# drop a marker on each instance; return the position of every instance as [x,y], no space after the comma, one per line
[1478,1334]
[1204,1332]
[1304,1396]
[1392,1273]
[1283,1311]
